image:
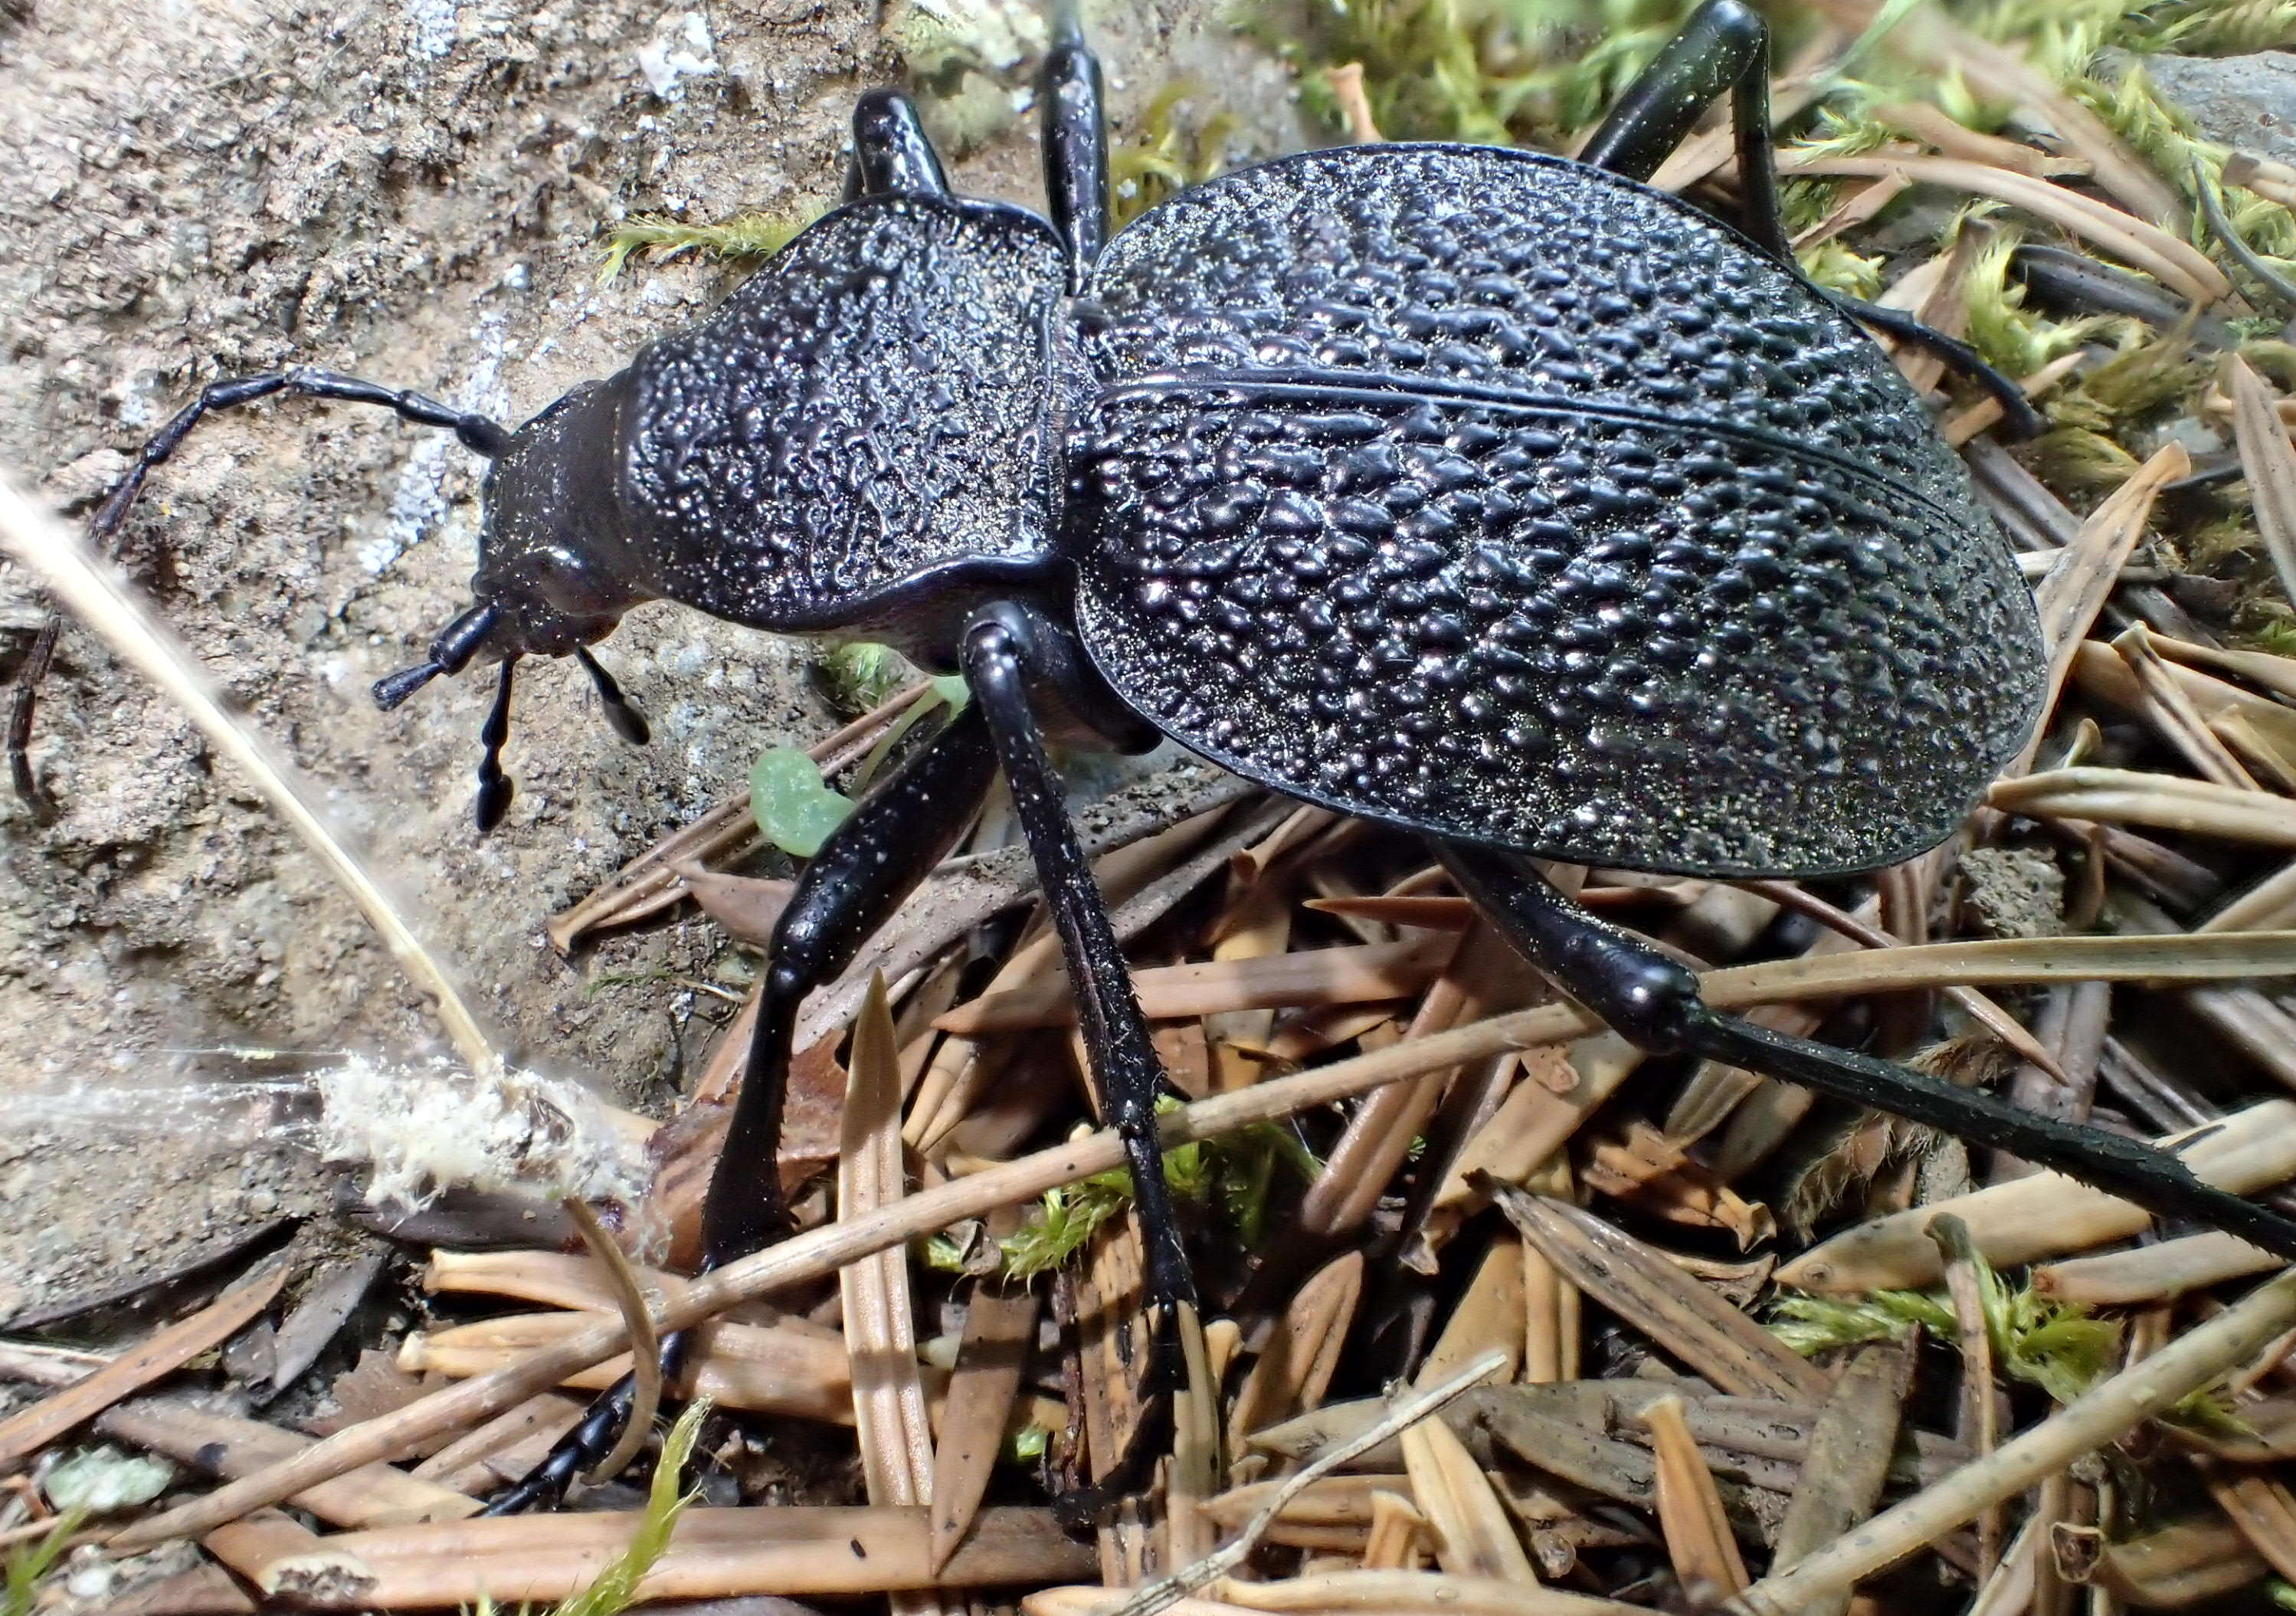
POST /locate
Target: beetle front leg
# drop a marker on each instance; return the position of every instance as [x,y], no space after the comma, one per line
[891,153]
[1074,129]
[1654,1002]
[864,872]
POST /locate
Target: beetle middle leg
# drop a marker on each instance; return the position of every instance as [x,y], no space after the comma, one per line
[1654,1002]
[1724,49]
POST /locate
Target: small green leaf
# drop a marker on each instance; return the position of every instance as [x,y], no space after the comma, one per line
[951,689]
[793,809]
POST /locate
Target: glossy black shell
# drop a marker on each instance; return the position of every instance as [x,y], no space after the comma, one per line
[1493,495]
[870,414]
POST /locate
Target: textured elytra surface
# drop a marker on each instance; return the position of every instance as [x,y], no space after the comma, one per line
[868,408]
[1489,494]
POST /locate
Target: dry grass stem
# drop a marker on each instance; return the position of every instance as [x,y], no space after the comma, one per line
[24,1433]
[2153,1272]
[1000,1326]
[1375,1593]
[1698,1538]
[1399,1540]
[1847,1461]
[2270,459]
[2175,715]
[646,1346]
[2182,1563]
[764,1369]
[2043,1214]
[1474,1536]
[1489,1319]
[2121,796]
[889,1419]
[798,1552]
[1294,1370]
[2263,1511]
[1404,1415]
[2175,264]
[1349,975]
[1977,1420]
[287,1561]
[2180,1368]
[1657,1298]
[100,600]
[2075,590]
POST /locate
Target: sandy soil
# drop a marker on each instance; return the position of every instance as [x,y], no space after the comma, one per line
[413,191]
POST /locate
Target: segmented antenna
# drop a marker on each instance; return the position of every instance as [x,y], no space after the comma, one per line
[494,787]
[458,642]
[622,712]
[393,688]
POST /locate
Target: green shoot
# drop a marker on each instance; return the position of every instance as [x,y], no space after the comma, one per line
[794,811]
[25,1563]
[1165,158]
[1238,1172]
[616,1588]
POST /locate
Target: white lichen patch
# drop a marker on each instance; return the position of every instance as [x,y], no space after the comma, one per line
[680,52]
[426,1129]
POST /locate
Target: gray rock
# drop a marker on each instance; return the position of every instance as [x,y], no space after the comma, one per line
[2245,102]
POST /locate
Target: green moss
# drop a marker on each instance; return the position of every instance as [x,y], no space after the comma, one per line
[1238,1172]
[2059,1347]
[745,235]
[1168,154]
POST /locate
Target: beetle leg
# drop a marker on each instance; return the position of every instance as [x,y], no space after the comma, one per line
[1075,133]
[891,153]
[478,433]
[997,651]
[864,872]
[1654,1002]
[1725,48]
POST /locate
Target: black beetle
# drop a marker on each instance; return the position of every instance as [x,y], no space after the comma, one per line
[1492,495]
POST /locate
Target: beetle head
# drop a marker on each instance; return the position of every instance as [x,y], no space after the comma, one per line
[547,583]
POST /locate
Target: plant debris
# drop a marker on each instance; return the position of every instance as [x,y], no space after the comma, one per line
[1402,1160]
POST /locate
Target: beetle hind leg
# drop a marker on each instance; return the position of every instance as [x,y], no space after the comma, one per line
[1654,1002]
[1724,49]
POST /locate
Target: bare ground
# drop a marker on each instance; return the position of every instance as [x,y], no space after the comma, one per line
[411,191]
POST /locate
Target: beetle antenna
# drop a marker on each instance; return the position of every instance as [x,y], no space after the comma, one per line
[450,653]
[494,787]
[393,688]
[622,713]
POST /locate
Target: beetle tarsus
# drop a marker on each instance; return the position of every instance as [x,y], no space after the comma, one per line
[623,715]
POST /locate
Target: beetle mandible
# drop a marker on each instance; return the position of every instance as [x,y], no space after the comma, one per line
[1492,495]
